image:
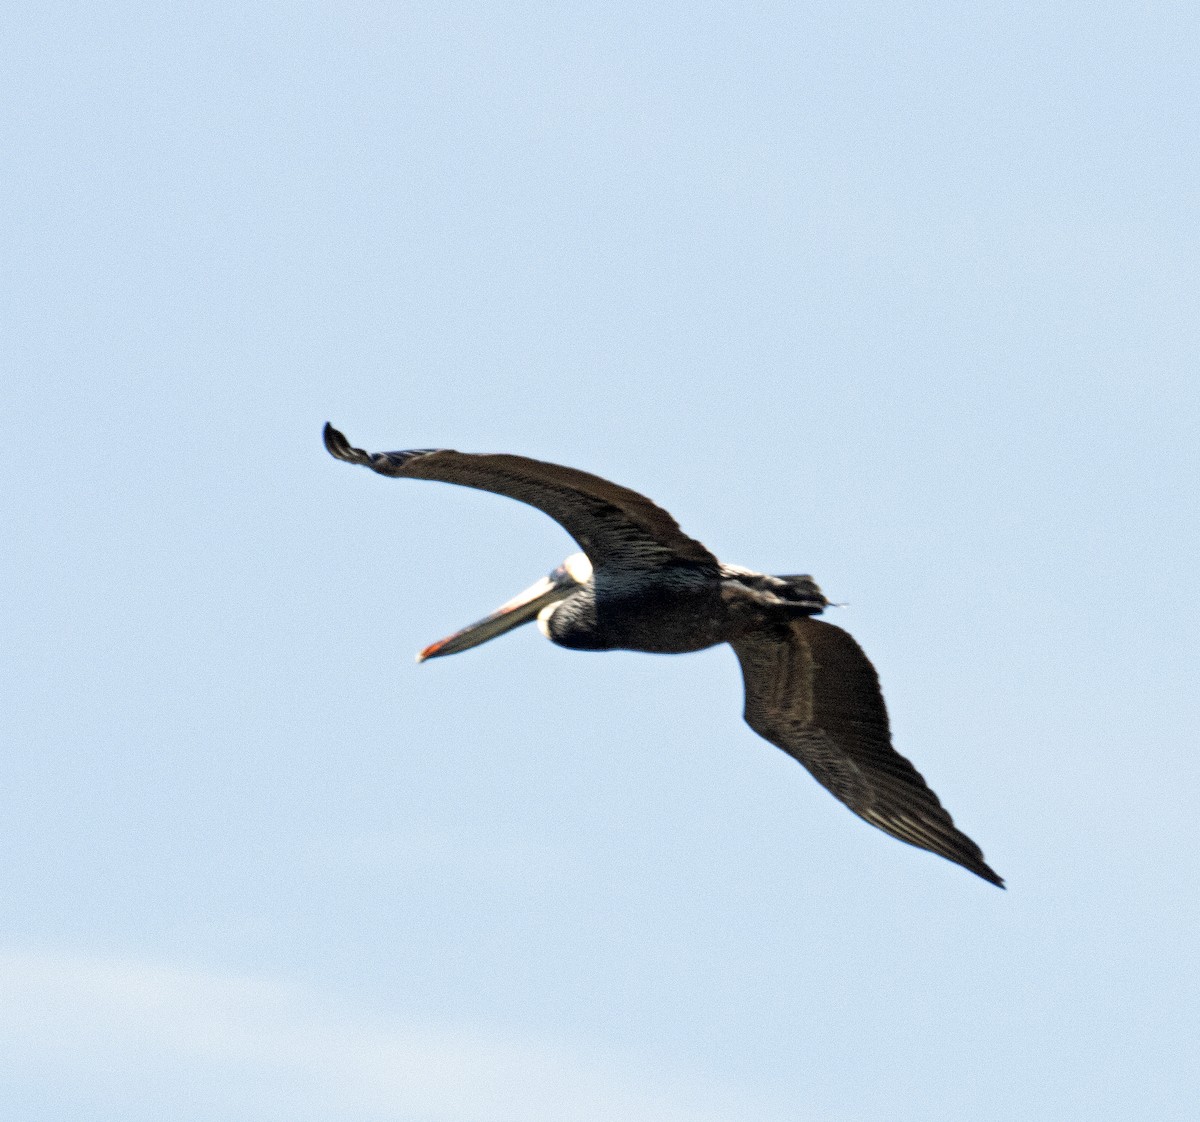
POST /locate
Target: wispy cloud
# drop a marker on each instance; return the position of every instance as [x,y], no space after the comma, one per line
[247,1046]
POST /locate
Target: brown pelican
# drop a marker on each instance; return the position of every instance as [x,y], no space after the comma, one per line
[641,584]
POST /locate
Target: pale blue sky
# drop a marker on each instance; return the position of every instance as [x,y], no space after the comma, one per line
[904,296]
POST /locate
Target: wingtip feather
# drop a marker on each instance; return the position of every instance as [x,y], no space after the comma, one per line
[335,443]
[992,877]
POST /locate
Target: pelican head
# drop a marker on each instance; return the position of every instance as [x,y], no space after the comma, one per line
[535,602]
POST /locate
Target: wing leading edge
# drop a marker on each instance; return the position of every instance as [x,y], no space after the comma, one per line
[614,526]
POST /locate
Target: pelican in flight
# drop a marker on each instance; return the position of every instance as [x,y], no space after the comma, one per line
[641,584]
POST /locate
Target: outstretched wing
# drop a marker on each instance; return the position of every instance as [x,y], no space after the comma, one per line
[811,691]
[613,525]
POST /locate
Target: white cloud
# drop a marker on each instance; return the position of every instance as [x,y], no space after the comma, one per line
[137,1035]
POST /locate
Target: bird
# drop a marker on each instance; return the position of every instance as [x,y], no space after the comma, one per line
[639,583]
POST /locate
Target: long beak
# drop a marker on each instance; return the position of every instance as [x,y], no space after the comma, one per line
[520,609]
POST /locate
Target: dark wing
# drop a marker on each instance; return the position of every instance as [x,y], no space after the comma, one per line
[811,691]
[613,525]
